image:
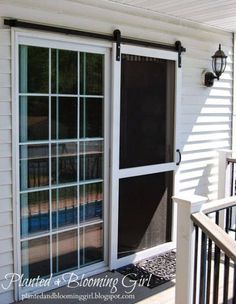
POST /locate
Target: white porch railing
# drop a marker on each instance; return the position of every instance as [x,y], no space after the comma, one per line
[206,246]
[200,244]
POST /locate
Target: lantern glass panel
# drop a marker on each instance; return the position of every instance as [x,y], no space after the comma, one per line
[218,65]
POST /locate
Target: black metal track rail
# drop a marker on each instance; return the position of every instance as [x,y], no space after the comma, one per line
[116,37]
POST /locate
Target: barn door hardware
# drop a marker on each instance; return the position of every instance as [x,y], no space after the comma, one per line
[179,49]
[117,38]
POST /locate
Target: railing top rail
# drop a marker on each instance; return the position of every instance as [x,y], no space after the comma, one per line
[216,234]
[231,159]
[219,205]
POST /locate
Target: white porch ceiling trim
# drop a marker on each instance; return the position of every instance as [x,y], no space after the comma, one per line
[218,13]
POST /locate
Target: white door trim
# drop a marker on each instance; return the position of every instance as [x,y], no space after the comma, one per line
[115,155]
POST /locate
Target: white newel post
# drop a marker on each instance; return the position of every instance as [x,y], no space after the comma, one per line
[224,173]
[186,205]
[224,180]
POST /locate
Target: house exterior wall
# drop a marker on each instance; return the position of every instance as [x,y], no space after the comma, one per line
[6,215]
[205,112]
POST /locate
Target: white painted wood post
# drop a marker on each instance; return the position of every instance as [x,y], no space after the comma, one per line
[224,180]
[186,205]
[224,173]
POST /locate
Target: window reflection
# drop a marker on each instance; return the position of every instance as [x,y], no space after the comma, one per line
[33,118]
[64,71]
[91,202]
[64,117]
[34,166]
[91,74]
[91,160]
[34,68]
[91,244]
[34,212]
[91,117]
[35,257]
[64,207]
[65,252]
[64,163]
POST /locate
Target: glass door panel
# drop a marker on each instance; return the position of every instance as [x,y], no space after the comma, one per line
[64,118]
[64,163]
[91,240]
[65,251]
[34,69]
[64,73]
[34,118]
[64,207]
[35,213]
[34,166]
[61,159]
[35,257]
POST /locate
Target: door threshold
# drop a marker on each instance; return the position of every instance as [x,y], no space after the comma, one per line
[144,254]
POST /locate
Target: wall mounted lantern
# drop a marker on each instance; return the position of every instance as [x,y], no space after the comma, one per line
[218,67]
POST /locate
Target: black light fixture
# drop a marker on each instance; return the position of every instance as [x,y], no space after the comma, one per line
[218,67]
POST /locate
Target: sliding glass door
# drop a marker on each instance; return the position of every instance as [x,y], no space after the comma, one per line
[62,185]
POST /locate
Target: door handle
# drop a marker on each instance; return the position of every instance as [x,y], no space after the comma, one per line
[180,157]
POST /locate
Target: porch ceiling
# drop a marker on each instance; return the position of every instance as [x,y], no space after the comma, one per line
[217,13]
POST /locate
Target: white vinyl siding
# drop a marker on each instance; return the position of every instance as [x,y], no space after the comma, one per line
[6,218]
[206,113]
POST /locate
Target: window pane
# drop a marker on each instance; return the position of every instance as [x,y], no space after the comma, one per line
[64,207]
[144,212]
[33,118]
[64,163]
[91,202]
[91,117]
[34,212]
[64,72]
[35,256]
[64,118]
[91,244]
[34,166]
[91,74]
[91,160]
[147,111]
[65,251]
[34,69]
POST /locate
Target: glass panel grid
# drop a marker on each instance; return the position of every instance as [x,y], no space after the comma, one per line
[53,233]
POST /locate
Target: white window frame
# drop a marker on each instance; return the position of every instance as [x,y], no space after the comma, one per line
[59,41]
[117,173]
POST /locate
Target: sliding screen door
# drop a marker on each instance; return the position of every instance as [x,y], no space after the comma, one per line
[61,159]
[146,149]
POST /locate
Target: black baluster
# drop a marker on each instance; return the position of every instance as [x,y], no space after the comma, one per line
[232,192]
[195,266]
[234,287]
[226,263]
[216,275]
[203,270]
[209,257]
[216,268]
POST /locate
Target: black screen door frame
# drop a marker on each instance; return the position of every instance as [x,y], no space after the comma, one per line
[117,174]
